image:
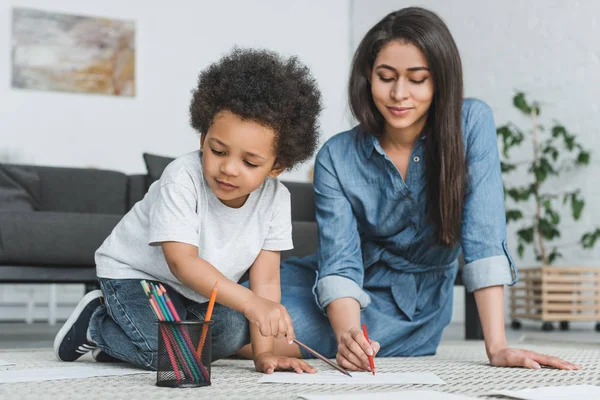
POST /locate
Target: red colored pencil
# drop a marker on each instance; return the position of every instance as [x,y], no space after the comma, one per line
[364,328]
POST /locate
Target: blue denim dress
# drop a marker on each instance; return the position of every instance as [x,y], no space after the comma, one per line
[376,245]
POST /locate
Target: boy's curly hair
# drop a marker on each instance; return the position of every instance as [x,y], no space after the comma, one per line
[261,86]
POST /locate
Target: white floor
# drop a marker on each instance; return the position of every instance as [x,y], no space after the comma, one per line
[462,365]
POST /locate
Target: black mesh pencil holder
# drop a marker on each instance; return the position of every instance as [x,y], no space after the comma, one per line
[184,353]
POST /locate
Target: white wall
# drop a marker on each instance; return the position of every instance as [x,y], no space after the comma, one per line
[173,43]
[550,50]
[547,48]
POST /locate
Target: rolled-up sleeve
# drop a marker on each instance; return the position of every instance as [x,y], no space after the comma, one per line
[487,259]
[341,269]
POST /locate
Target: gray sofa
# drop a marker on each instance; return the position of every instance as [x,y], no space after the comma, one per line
[77,208]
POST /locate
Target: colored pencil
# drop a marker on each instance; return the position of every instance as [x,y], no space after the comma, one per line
[163,292]
[169,302]
[167,345]
[170,337]
[207,317]
[179,334]
[371,362]
[321,357]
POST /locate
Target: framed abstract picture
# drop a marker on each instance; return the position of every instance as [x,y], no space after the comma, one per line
[72,53]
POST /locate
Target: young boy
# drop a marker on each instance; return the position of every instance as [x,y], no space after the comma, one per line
[214,214]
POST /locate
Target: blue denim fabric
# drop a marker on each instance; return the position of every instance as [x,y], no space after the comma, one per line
[376,245]
[125,325]
[407,313]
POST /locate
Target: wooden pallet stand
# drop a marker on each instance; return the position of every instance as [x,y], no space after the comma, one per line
[556,294]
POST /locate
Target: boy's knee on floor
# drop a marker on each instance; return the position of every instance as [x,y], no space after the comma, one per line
[148,359]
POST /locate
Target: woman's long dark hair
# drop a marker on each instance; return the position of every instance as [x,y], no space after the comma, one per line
[444,154]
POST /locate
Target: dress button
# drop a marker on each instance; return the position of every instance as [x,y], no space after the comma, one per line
[416,159]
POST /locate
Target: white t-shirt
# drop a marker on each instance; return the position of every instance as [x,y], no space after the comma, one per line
[182,207]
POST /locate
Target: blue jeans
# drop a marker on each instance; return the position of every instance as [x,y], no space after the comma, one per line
[125,325]
[407,313]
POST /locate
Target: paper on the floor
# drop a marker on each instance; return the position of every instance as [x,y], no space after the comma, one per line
[51,374]
[404,395]
[358,378]
[579,392]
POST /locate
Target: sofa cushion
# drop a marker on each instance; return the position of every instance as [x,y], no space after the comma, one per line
[20,188]
[136,189]
[303,200]
[51,238]
[83,190]
[155,166]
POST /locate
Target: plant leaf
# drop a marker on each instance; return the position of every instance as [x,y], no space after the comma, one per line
[583,158]
[554,255]
[507,167]
[577,207]
[589,239]
[513,215]
[558,130]
[520,102]
[526,234]
[548,229]
[520,250]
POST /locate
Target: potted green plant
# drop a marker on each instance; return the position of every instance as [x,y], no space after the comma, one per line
[535,209]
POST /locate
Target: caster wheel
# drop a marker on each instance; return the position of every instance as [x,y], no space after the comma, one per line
[564,325]
[598,327]
[547,326]
[516,325]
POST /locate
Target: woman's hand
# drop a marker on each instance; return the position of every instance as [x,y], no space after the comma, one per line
[268,363]
[354,349]
[508,357]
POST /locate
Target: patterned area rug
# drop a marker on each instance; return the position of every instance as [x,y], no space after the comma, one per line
[463,365]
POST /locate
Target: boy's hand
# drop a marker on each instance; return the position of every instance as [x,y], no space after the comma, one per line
[353,350]
[271,318]
[268,363]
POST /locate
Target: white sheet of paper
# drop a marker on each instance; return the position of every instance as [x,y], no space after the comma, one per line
[579,392]
[358,378]
[404,395]
[51,374]
[5,363]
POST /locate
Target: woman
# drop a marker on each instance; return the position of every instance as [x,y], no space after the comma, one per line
[398,198]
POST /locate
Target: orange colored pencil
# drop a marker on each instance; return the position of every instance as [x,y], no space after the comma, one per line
[207,317]
[364,328]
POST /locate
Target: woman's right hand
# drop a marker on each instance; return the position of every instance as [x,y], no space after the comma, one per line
[354,349]
[271,318]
